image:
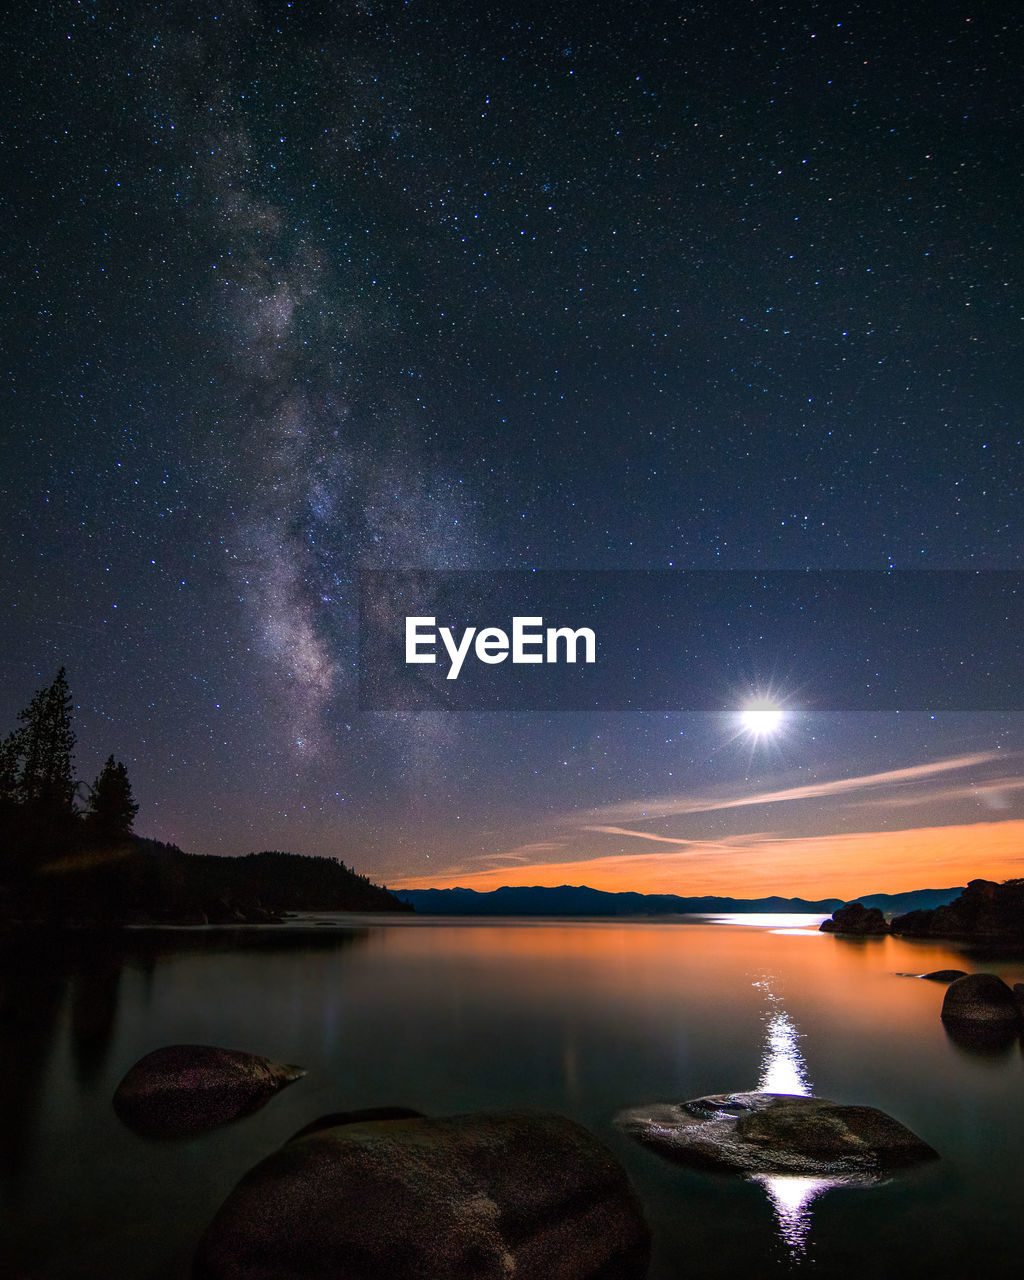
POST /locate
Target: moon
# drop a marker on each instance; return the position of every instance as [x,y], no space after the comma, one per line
[762,719]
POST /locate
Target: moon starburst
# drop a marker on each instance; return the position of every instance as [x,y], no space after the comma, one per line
[762,719]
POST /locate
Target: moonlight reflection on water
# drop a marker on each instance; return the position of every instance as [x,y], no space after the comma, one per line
[792,1196]
[783,1070]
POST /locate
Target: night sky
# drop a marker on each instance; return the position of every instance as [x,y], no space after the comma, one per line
[292,292]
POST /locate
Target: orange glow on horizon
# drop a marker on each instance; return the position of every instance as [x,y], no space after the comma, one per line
[833,866]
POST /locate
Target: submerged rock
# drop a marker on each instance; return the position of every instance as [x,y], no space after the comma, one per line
[185,1089]
[856,919]
[775,1133]
[980,997]
[481,1196]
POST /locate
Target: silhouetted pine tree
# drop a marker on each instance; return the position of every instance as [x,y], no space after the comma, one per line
[111,809]
[45,782]
[10,768]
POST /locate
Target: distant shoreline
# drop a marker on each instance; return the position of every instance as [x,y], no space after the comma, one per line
[580,901]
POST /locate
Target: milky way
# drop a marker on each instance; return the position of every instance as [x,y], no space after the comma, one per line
[320,472]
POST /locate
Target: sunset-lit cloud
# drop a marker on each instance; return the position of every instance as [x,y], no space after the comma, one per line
[840,865]
[649,835]
[811,853]
[669,806]
[990,794]
[521,853]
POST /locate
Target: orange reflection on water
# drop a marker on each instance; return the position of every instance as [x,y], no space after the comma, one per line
[703,968]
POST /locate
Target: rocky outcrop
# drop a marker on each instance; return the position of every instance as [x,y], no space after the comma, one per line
[985,912]
[184,1089]
[980,998]
[857,920]
[481,1196]
[775,1133]
[945,975]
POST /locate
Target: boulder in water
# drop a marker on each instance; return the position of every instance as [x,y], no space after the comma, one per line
[185,1089]
[980,997]
[775,1133]
[856,919]
[483,1197]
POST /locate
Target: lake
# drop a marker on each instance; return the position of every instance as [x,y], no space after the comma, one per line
[580,1017]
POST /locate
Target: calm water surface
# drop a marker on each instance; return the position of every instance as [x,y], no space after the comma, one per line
[583,1018]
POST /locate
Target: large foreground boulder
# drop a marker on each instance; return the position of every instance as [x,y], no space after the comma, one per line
[185,1089]
[775,1133]
[980,998]
[481,1196]
[856,919]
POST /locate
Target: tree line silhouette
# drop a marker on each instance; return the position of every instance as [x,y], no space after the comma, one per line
[39,815]
[67,864]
